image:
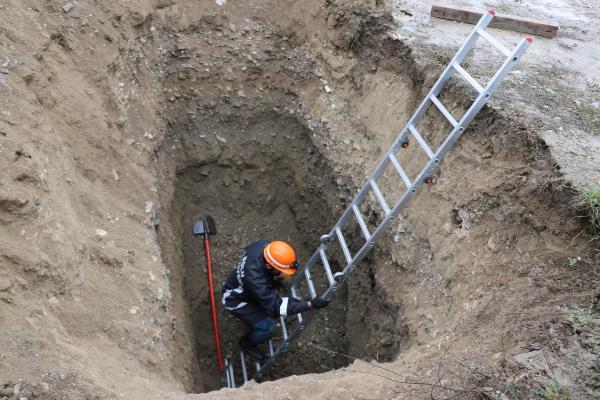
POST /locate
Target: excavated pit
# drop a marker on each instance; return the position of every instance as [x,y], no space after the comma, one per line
[260,178]
[241,147]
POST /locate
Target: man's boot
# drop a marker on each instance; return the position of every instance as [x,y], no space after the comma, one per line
[251,348]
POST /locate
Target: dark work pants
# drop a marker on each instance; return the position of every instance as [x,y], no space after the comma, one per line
[260,323]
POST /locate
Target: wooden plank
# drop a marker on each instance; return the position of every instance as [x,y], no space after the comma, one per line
[525,25]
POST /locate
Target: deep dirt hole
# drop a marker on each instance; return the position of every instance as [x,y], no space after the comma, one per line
[243,147]
[266,180]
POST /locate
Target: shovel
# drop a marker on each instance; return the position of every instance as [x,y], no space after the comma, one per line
[205,227]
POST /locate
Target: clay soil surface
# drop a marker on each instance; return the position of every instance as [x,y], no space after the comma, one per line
[122,122]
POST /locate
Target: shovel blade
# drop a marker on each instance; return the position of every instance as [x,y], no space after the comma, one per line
[205,226]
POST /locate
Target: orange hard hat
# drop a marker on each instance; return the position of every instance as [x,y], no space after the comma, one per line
[281,256]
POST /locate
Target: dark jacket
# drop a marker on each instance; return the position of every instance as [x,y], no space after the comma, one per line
[251,284]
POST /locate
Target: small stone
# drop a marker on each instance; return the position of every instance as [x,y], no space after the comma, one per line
[387,340]
[17,389]
[68,7]
[21,281]
[533,360]
[448,228]
[491,244]
[4,284]
[115,174]
[149,206]
[53,300]
[221,139]
[100,233]
[327,89]
[508,187]
[133,310]
[486,155]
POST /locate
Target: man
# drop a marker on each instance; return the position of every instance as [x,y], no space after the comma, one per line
[249,292]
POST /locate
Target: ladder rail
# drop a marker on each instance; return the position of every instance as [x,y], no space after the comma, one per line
[390,214]
[244,369]
[443,149]
[423,106]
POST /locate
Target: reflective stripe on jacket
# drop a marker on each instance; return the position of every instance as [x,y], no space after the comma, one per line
[250,282]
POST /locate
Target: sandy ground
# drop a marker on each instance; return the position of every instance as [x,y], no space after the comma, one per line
[563,73]
[114,116]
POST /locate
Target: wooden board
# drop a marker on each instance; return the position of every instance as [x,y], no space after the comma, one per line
[525,25]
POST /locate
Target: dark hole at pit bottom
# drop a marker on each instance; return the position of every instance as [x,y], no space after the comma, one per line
[269,183]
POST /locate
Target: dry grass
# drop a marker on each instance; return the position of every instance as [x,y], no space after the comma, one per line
[589,199]
[579,317]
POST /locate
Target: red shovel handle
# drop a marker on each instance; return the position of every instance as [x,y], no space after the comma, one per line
[213,306]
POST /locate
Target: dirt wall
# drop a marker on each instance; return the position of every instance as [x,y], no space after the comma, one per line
[104,108]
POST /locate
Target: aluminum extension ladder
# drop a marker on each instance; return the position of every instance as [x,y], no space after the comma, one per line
[301,321]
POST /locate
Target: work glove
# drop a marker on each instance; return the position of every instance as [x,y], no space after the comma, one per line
[319,302]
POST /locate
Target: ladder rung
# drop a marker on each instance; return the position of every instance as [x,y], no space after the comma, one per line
[283,328]
[401,172]
[326,266]
[343,244]
[361,222]
[380,197]
[494,42]
[421,141]
[468,77]
[444,110]
[244,370]
[309,282]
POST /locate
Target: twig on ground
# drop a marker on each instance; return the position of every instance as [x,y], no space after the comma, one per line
[394,373]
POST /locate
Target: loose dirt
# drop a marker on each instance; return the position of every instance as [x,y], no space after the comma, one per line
[122,122]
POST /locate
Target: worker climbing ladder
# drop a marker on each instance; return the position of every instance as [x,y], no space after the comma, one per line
[237,369]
